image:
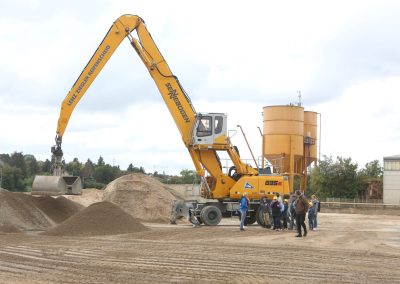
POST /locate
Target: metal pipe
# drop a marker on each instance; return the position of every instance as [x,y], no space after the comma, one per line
[320,131]
[262,148]
[244,135]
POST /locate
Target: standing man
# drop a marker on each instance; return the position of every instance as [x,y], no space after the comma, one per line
[265,209]
[316,206]
[301,210]
[243,207]
[276,213]
[292,211]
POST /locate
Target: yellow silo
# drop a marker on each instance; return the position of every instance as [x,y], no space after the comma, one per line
[283,130]
[310,136]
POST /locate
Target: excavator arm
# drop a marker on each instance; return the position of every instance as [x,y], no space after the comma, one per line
[177,101]
[204,156]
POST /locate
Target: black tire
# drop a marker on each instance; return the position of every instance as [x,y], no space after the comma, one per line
[211,215]
[252,219]
[259,217]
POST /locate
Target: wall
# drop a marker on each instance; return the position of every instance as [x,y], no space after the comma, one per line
[391,187]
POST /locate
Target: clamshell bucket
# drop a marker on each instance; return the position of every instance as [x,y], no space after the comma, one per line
[57,185]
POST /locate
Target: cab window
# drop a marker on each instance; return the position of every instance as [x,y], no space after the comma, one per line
[218,121]
[205,127]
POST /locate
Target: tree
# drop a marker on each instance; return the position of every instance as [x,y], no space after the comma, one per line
[74,168]
[132,169]
[13,178]
[32,166]
[88,169]
[105,174]
[189,176]
[17,160]
[45,167]
[372,170]
[335,179]
[100,162]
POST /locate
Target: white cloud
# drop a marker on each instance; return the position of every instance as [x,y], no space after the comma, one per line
[230,56]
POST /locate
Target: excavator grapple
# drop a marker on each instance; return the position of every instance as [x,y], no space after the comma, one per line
[56,185]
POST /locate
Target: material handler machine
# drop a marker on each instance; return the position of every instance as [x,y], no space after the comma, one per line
[205,135]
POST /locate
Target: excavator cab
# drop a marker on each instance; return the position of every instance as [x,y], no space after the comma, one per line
[210,129]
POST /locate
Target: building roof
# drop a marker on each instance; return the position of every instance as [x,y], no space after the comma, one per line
[394,157]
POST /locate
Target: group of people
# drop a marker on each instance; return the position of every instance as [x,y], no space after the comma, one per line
[286,214]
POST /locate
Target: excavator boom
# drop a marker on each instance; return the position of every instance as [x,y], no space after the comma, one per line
[203,134]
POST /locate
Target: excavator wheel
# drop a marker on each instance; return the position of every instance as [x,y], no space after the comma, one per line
[252,219]
[211,215]
[259,217]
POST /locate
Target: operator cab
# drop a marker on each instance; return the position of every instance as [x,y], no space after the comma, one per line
[210,128]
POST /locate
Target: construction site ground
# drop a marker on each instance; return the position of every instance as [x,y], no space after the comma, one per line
[122,235]
[346,248]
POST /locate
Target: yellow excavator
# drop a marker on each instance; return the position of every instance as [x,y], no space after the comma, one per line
[205,135]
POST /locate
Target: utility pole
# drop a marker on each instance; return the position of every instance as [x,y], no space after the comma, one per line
[299,96]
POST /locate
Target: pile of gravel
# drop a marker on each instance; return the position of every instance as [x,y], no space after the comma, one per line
[30,213]
[142,196]
[102,218]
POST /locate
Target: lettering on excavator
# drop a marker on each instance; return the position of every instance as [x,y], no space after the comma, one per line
[273,182]
[90,73]
[173,95]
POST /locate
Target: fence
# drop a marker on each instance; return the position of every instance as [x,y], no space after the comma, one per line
[351,200]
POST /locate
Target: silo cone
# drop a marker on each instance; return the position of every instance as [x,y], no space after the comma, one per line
[56,185]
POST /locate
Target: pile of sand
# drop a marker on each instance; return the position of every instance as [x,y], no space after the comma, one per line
[9,229]
[142,196]
[102,218]
[57,209]
[88,196]
[27,212]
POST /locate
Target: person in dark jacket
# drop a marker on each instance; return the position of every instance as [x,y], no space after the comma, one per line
[316,205]
[292,211]
[311,216]
[285,214]
[265,208]
[276,213]
[301,210]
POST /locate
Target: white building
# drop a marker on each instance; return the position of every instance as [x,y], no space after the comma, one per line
[391,180]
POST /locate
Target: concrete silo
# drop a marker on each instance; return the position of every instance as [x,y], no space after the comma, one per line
[290,140]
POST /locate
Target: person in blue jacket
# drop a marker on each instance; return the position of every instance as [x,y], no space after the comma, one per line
[243,207]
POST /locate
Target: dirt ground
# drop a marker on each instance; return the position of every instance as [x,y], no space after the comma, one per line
[346,248]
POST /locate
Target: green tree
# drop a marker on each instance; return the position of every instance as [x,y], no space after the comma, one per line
[335,178]
[74,168]
[132,169]
[189,177]
[45,167]
[372,170]
[105,174]
[32,166]
[100,162]
[17,160]
[88,169]
[13,178]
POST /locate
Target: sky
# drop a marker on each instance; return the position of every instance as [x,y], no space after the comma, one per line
[234,57]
